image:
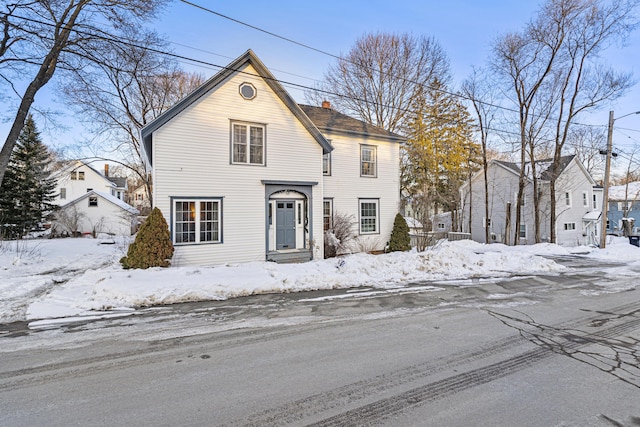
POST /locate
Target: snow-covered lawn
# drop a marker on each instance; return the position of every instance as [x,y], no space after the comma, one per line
[43,279]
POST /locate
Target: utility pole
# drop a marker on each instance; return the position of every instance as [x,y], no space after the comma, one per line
[607,171]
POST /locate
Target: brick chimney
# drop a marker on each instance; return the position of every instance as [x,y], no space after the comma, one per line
[106,169]
[326,105]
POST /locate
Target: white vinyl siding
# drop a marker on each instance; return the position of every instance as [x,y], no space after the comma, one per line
[345,185]
[202,166]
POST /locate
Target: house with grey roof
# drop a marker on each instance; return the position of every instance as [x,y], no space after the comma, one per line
[95,201]
[578,204]
[243,173]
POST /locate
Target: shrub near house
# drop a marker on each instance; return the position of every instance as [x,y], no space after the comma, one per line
[152,247]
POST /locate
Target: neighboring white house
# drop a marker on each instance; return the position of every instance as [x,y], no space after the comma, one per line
[96,212]
[578,205]
[77,178]
[139,199]
[80,188]
[243,173]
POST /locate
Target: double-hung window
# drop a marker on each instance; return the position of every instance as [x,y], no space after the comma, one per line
[197,221]
[326,164]
[523,231]
[327,214]
[569,226]
[369,216]
[368,156]
[247,143]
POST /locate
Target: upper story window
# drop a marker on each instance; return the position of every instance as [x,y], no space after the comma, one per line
[248,91]
[567,198]
[523,231]
[93,200]
[585,199]
[80,175]
[569,226]
[74,175]
[63,193]
[247,143]
[368,160]
[595,204]
[326,164]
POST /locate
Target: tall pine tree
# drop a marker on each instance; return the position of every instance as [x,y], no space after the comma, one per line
[27,191]
[439,152]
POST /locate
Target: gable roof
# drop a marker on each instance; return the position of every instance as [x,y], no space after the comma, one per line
[327,119]
[120,182]
[72,165]
[108,197]
[543,171]
[249,57]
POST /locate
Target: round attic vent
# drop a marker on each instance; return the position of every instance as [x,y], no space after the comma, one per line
[247,91]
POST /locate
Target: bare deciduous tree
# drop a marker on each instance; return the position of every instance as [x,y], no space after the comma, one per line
[381,77]
[125,87]
[39,37]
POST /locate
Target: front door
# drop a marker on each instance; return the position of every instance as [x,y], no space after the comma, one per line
[285,225]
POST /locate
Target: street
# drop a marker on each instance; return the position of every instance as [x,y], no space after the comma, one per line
[560,350]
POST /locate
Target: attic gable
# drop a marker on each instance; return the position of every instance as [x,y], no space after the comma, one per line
[248,58]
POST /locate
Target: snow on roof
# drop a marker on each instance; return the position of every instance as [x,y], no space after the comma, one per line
[617,192]
[108,197]
[118,202]
[592,216]
[412,222]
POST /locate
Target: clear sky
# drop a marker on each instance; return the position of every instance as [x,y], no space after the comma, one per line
[464,28]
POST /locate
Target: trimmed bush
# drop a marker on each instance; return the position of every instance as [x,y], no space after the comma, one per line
[400,240]
[153,246]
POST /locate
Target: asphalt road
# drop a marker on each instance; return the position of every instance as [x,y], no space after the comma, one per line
[526,351]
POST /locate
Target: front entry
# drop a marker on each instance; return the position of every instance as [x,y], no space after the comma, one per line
[285,224]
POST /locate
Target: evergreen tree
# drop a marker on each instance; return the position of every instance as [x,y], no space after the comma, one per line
[153,246]
[439,152]
[400,240]
[27,191]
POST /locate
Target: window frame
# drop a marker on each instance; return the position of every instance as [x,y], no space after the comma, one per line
[327,220]
[247,142]
[595,202]
[569,226]
[197,220]
[326,159]
[376,202]
[585,199]
[63,193]
[80,175]
[567,198]
[374,150]
[522,233]
[93,201]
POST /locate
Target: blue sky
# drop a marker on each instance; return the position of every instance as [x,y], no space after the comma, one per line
[464,28]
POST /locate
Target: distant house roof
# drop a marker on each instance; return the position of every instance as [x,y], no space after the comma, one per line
[543,167]
[118,181]
[108,197]
[327,119]
[624,192]
[249,57]
[71,165]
